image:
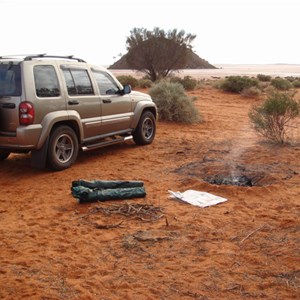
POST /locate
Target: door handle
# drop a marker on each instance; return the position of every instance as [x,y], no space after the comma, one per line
[106,101]
[73,102]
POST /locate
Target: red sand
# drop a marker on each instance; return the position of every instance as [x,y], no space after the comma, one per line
[51,247]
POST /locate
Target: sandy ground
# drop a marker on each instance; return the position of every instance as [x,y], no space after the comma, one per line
[52,247]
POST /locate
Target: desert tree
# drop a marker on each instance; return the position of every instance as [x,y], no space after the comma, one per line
[157,53]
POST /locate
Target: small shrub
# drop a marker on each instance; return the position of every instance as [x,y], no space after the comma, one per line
[290,78]
[128,79]
[264,78]
[296,84]
[145,83]
[281,84]
[271,118]
[236,84]
[270,89]
[251,92]
[175,79]
[262,85]
[217,84]
[188,82]
[202,83]
[173,104]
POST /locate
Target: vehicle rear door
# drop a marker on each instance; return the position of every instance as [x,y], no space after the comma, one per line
[10,97]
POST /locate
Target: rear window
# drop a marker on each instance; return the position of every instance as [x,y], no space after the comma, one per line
[10,79]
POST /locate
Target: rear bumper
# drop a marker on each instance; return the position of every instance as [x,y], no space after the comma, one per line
[25,139]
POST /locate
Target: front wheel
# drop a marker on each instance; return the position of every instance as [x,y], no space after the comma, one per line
[145,131]
[62,149]
[4,154]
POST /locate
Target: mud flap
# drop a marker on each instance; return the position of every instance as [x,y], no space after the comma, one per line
[38,158]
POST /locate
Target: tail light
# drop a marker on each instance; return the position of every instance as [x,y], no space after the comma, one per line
[26,113]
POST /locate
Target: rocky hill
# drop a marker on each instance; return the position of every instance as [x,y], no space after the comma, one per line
[193,62]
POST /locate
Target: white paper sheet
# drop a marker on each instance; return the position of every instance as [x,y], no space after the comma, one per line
[197,198]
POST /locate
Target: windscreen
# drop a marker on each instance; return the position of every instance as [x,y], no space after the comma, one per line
[10,79]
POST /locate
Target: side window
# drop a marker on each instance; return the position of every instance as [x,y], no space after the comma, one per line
[106,84]
[70,83]
[78,82]
[46,82]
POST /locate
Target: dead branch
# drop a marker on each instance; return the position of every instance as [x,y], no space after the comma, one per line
[235,287]
[107,226]
[143,212]
[167,223]
[251,233]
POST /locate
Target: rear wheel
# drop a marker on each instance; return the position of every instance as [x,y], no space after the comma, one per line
[63,148]
[4,154]
[145,131]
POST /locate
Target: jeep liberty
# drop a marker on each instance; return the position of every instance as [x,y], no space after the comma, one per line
[55,106]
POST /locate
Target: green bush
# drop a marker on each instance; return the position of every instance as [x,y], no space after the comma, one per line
[270,89]
[281,84]
[236,84]
[296,84]
[217,84]
[128,79]
[262,85]
[173,104]
[251,92]
[145,83]
[188,82]
[290,78]
[264,78]
[175,79]
[272,117]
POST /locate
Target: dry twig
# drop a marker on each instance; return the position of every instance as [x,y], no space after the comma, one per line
[108,226]
[251,233]
[143,212]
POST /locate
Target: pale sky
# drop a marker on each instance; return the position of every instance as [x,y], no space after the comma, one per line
[228,32]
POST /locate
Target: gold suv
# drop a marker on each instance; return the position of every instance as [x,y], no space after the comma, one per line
[53,106]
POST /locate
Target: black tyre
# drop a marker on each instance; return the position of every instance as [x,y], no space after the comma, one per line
[4,154]
[62,148]
[145,131]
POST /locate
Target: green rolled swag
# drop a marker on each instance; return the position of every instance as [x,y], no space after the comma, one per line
[104,190]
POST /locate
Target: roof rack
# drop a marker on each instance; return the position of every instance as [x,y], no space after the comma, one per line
[18,55]
[30,57]
[9,56]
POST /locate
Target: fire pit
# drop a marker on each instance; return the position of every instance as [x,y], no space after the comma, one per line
[220,173]
[220,167]
[241,180]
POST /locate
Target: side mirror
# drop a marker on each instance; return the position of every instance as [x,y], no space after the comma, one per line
[127,89]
